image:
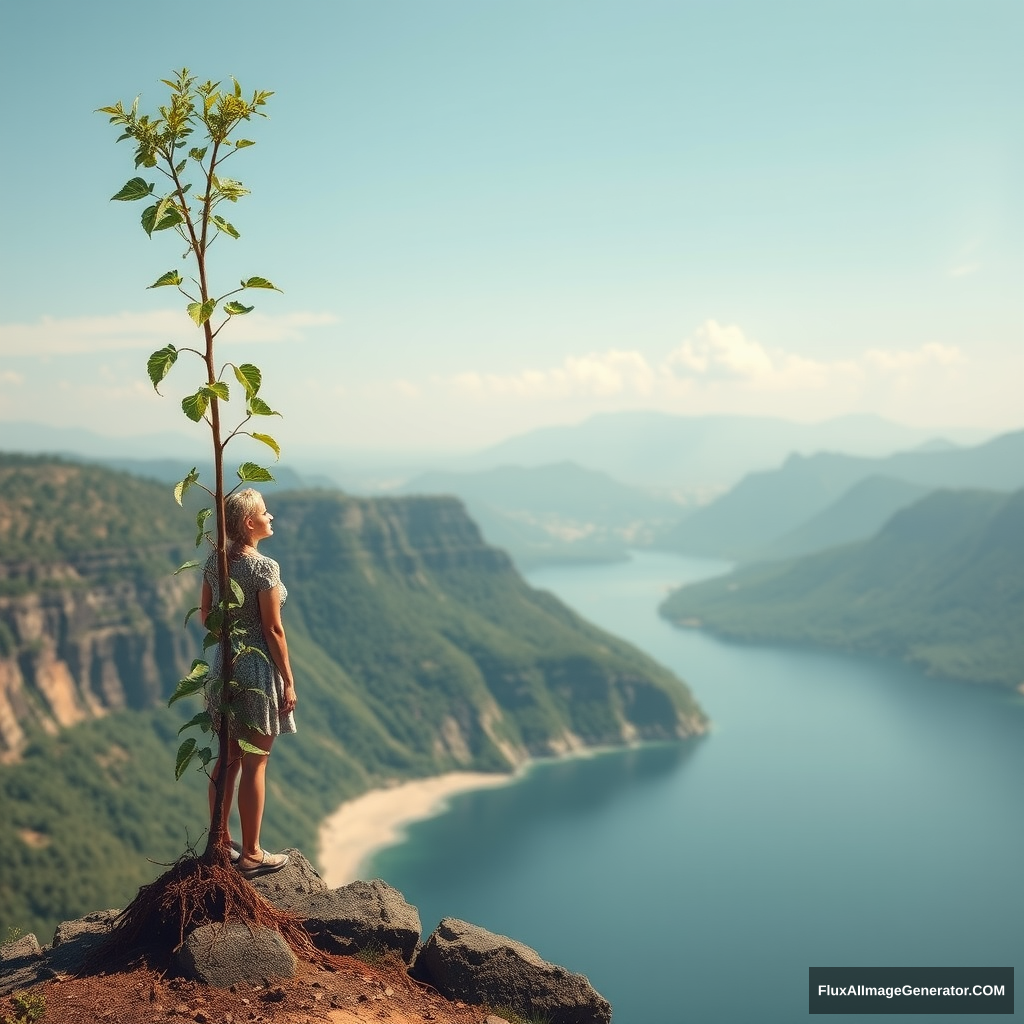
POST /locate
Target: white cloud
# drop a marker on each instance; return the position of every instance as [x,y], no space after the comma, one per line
[715,360]
[717,351]
[10,377]
[597,374]
[88,334]
[905,360]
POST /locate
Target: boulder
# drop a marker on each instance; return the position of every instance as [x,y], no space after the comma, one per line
[24,948]
[24,963]
[292,884]
[466,962]
[74,940]
[224,954]
[21,964]
[362,916]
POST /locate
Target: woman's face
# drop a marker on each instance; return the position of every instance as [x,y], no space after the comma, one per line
[259,523]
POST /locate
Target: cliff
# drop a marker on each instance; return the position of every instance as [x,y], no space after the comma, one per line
[417,650]
[89,614]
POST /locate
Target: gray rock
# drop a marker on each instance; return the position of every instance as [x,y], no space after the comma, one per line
[362,916]
[464,961]
[21,964]
[24,963]
[225,954]
[20,949]
[74,940]
[293,883]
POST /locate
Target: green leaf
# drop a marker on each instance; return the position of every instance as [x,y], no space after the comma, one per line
[159,365]
[185,753]
[249,377]
[269,442]
[192,683]
[205,756]
[137,188]
[237,309]
[197,154]
[218,389]
[186,565]
[229,188]
[195,406]
[180,167]
[202,719]
[260,408]
[188,615]
[169,217]
[182,486]
[249,472]
[227,228]
[250,748]
[171,277]
[242,143]
[201,517]
[259,282]
[238,593]
[202,311]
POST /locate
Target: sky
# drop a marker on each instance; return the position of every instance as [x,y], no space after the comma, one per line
[487,216]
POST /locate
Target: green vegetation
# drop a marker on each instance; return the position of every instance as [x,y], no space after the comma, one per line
[941,585]
[196,189]
[28,1007]
[52,510]
[417,649]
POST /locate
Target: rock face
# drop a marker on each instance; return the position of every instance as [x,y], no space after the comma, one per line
[463,961]
[460,960]
[89,639]
[224,954]
[362,916]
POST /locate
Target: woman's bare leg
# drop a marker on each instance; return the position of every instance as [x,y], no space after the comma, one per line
[252,796]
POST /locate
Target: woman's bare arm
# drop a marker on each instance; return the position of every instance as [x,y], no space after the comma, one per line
[273,633]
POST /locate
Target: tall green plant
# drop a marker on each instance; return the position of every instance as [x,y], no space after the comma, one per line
[190,204]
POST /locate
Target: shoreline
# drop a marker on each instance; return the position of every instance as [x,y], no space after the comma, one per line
[362,826]
[352,834]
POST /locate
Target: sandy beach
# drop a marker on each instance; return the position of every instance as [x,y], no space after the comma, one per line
[360,827]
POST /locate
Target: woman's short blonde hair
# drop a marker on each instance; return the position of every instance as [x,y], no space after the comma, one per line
[237,508]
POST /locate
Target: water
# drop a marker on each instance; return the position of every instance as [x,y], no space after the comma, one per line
[843,812]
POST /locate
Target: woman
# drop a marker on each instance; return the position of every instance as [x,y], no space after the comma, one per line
[267,694]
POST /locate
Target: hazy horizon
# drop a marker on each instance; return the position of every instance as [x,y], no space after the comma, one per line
[490,218]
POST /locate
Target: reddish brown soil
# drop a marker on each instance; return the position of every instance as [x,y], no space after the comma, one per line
[352,993]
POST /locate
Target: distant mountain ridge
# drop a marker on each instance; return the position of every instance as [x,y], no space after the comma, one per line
[764,507]
[941,585]
[558,512]
[699,454]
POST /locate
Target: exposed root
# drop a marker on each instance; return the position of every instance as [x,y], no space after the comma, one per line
[190,894]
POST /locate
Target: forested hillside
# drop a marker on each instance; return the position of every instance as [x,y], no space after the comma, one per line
[941,585]
[417,649]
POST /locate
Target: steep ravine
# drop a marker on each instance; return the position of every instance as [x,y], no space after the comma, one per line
[418,650]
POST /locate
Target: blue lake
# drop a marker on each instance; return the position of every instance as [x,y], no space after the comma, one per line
[842,812]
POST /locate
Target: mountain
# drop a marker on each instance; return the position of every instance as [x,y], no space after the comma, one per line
[765,507]
[857,513]
[941,585]
[417,649]
[41,439]
[697,455]
[559,512]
